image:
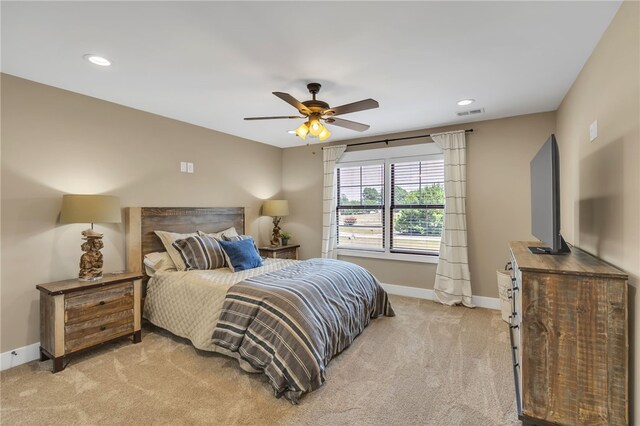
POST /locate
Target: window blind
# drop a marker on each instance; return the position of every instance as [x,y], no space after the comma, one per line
[417,206]
[360,207]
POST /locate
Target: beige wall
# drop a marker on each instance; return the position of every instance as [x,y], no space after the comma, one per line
[601,179]
[56,142]
[498,204]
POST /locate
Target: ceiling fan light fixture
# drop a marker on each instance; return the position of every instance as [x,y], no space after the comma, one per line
[324,134]
[315,127]
[302,131]
[317,111]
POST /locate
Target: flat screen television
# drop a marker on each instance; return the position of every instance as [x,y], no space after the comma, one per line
[545,199]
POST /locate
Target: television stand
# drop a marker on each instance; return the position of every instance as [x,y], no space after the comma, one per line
[569,338]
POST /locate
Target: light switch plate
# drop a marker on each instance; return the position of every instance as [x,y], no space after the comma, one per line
[189,167]
[593,131]
[183,166]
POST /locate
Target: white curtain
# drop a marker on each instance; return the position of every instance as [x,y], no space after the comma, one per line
[330,154]
[453,284]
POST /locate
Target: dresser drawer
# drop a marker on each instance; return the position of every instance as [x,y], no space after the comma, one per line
[95,303]
[89,333]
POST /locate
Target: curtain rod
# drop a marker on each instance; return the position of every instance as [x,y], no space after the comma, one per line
[397,139]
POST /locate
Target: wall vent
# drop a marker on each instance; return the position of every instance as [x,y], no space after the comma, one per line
[470,112]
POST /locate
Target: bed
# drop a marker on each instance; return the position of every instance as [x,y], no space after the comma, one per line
[286,319]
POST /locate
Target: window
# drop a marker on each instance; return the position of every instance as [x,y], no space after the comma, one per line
[390,206]
[417,206]
[361,207]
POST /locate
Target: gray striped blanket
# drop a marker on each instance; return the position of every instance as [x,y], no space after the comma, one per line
[290,323]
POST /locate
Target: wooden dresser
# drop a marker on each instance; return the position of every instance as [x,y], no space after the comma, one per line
[569,338]
[77,315]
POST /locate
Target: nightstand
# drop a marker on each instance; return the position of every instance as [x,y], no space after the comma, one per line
[77,315]
[280,252]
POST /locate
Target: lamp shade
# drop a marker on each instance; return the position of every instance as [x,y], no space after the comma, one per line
[315,127]
[275,208]
[90,209]
[302,131]
[324,134]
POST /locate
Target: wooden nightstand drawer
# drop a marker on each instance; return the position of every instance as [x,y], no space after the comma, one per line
[287,254]
[88,333]
[95,303]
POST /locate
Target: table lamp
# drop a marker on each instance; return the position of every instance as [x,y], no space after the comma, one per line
[90,209]
[277,209]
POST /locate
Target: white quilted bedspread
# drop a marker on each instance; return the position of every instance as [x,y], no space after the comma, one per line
[188,303]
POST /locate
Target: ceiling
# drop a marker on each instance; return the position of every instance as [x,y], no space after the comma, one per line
[213,63]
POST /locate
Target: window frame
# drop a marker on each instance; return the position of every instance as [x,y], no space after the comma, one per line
[388,156]
[393,206]
[372,207]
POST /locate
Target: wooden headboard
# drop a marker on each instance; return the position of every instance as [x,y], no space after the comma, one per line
[140,223]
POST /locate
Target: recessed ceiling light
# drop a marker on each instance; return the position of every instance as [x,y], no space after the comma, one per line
[98,60]
[466,102]
[291,132]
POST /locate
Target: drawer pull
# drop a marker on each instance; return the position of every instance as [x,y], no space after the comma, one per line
[103,328]
[514,326]
[102,302]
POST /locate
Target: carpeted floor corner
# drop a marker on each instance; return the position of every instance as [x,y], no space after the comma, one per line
[429,365]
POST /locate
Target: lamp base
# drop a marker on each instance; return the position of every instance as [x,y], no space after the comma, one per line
[275,234]
[91,261]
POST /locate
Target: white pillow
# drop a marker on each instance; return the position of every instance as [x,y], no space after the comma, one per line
[167,239]
[157,262]
[229,232]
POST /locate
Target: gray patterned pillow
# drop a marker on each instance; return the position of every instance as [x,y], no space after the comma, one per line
[237,237]
[200,252]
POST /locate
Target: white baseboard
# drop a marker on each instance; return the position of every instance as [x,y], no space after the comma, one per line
[401,290]
[423,293]
[486,302]
[19,356]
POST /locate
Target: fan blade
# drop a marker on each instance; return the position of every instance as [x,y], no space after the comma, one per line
[293,102]
[273,118]
[359,127]
[355,106]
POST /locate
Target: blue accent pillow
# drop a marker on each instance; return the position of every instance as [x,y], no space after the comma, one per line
[241,255]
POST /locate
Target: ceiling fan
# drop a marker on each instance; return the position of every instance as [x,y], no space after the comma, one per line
[318,111]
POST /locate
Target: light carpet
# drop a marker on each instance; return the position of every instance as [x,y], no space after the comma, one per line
[429,365]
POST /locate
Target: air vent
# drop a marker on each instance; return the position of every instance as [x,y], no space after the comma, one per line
[470,112]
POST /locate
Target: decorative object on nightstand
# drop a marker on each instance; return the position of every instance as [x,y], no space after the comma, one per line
[285,237]
[282,252]
[90,209]
[77,315]
[277,209]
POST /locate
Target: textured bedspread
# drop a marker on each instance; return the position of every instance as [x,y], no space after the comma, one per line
[290,323]
[188,303]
